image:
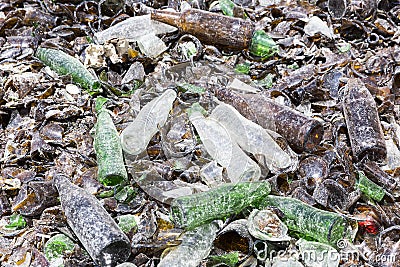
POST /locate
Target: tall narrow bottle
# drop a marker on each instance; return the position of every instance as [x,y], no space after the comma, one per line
[363,124]
[136,137]
[110,161]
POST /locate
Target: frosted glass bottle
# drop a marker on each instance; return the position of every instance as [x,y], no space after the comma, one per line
[136,137]
[222,148]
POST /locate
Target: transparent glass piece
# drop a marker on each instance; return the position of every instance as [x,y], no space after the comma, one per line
[316,25]
[223,149]
[130,29]
[211,174]
[265,225]
[196,245]
[137,135]
[393,156]
[151,45]
[133,28]
[315,254]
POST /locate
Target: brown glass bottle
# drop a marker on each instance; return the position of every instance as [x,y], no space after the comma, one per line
[363,124]
[233,34]
[301,132]
[210,28]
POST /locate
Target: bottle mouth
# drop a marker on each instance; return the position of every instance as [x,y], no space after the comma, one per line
[341,230]
[313,136]
[375,153]
[118,251]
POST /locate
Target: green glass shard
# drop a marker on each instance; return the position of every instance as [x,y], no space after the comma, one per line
[369,188]
[187,87]
[320,225]
[105,194]
[55,248]
[229,259]
[227,7]
[262,45]
[267,82]
[217,203]
[125,194]
[100,101]
[293,66]
[243,68]
[16,222]
[127,223]
[103,76]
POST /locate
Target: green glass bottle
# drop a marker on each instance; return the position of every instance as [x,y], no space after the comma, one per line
[218,203]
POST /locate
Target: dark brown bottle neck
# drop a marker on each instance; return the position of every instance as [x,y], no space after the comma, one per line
[169,17]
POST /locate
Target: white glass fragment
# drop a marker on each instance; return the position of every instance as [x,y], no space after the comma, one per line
[196,245]
[223,149]
[133,28]
[151,45]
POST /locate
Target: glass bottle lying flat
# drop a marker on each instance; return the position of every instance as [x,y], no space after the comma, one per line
[231,33]
[252,138]
[323,226]
[217,203]
[65,64]
[222,148]
[302,132]
[137,135]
